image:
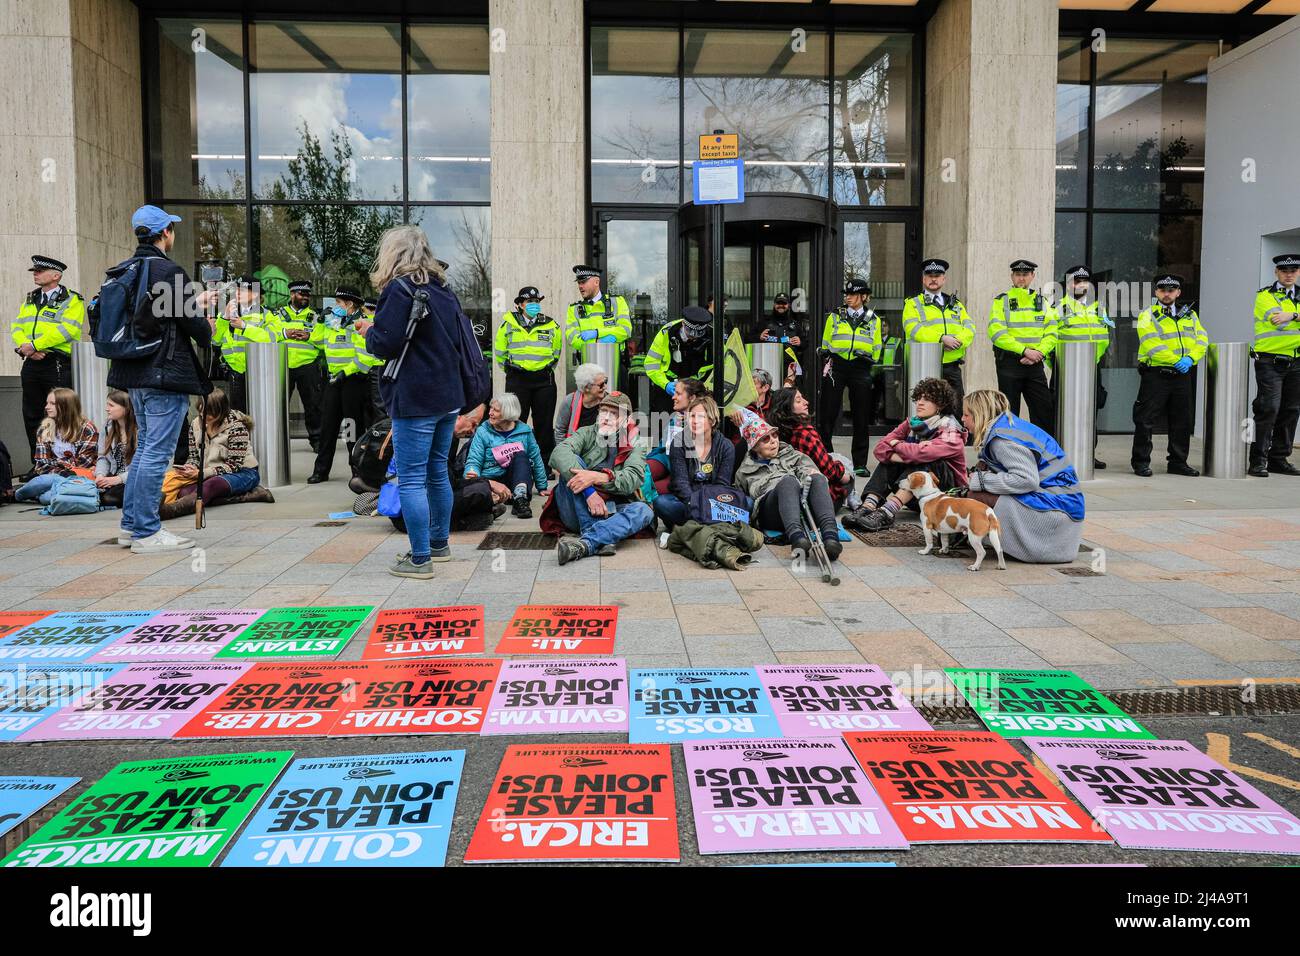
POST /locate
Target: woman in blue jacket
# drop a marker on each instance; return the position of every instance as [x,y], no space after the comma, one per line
[504,449]
[424,399]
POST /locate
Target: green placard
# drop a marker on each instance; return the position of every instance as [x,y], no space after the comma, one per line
[1044,704]
[298,632]
[178,812]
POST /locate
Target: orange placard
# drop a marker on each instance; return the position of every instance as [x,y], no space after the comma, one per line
[572,629]
[417,632]
[301,699]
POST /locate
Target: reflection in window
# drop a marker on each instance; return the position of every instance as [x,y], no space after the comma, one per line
[448,126]
[876,252]
[634,115]
[208,233]
[636,261]
[198,113]
[462,237]
[330,245]
[326,110]
[1071,240]
[1073,90]
[770,87]
[871,118]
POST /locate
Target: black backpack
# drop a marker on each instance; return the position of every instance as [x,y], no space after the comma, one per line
[372,452]
[6,474]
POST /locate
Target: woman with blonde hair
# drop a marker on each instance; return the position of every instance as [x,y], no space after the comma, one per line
[1025,477]
[422,386]
[117,448]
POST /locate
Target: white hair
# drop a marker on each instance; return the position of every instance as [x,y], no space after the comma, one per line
[508,403]
[404,251]
[763,376]
[586,373]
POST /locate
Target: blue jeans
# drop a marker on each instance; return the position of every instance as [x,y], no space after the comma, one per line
[242,481]
[622,523]
[160,415]
[38,489]
[420,447]
[672,511]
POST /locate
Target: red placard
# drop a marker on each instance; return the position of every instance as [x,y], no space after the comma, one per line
[420,697]
[301,699]
[568,802]
[571,629]
[968,787]
[416,632]
[14,621]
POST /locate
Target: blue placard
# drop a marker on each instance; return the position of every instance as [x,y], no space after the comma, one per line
[70,635]
[374,810]
[20,797]
[703,703]
[31,692]
[723,181]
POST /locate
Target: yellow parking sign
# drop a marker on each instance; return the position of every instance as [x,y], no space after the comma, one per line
[720,146]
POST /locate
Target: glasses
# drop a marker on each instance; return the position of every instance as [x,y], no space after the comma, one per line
[601,384]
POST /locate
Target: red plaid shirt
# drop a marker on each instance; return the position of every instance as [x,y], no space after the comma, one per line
[805,439]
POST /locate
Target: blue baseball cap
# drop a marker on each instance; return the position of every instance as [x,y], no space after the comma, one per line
[153,219]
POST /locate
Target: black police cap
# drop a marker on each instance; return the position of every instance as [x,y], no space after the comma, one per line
[1024,265]
[1289,260]
[935,266]
[856,287]
[529,292]
[47,262]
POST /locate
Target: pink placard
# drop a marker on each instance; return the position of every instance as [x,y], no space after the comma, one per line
[827,701]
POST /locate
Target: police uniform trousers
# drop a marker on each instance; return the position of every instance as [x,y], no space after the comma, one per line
[307,380]
[856,377]
[1030,382]
[375,410]
[344,399]
[237,390]
[537,393]
[952,375]
[1162,391]
[38,376]
[1276,408]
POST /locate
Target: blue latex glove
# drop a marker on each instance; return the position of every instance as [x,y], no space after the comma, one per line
[671,388]
[588,336]
[607,338]
[1183,365]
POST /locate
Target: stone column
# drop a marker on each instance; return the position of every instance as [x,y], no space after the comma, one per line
[990,151]
[538,152]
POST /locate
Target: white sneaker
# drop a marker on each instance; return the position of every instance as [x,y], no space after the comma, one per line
[663,540]
[125,541]
[161,541]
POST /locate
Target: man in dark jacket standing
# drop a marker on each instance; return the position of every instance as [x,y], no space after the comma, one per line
[161,384]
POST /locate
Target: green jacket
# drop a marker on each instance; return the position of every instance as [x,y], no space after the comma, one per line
[585,448]
[727,544]
[755,477]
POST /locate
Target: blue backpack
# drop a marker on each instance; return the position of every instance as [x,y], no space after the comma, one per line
[72,496]
[122,324]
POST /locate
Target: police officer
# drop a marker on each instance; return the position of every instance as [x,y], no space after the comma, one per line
[682,349]
[527,346]
[368,308]
[852,340]
[1171,341]
[1079,320]
[937,316]
[294,325]
[596,317]
[49,321]
[1023,329]
[346,393]
[1277,370]
[242,321]
[370,365]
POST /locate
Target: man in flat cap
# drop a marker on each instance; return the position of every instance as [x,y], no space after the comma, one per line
[1171,340]
[1277,370]
[49,321]
[596,317]
[1022,326]
[682,349]
[527,346]
[1082,318]
[852,340]
[937,316]
[293,326]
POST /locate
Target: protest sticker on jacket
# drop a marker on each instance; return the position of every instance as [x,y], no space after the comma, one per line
[375,810]
[178,636]
[555,803]
[699,704]
[967,787]
[70,635]
[826,701]
[179,811]
[11,622]
[1043,704]
[20,797]
[280,700]
[30,693]
[757,796]
[420,697]
[416,632]
[575,630]
[298,632]
[141,701]
[1167,795]
[559,697]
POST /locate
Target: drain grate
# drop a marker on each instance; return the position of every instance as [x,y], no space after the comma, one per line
[1238,700]
[1078,571]
[517,541]
[899,536]
[329,524]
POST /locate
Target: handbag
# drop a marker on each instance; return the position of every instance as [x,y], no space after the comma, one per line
[390,503]
[173,482]
[716,503]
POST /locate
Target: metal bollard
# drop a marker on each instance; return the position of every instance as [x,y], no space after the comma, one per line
[1227,409]
[769,356]
[922,360]
[90,379]
[266,384]
[604,354]
[1074,379]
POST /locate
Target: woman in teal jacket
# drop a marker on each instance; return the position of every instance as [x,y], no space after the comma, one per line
[505,449]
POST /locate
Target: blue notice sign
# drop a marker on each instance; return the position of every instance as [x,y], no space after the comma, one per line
[719,181]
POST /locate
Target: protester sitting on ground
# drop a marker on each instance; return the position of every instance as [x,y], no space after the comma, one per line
[505,448]
[117,448]
[932,440]
[67,442]
[700,456]
[600,469]
[578,409]
[658,463]
[777,477]
[789,412]
[1028,481]
[229,466]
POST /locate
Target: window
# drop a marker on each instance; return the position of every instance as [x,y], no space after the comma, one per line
[447,95]
[871,116]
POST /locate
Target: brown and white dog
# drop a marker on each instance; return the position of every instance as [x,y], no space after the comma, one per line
[945,515]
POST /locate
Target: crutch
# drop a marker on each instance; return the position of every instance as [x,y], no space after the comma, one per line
[818,546]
